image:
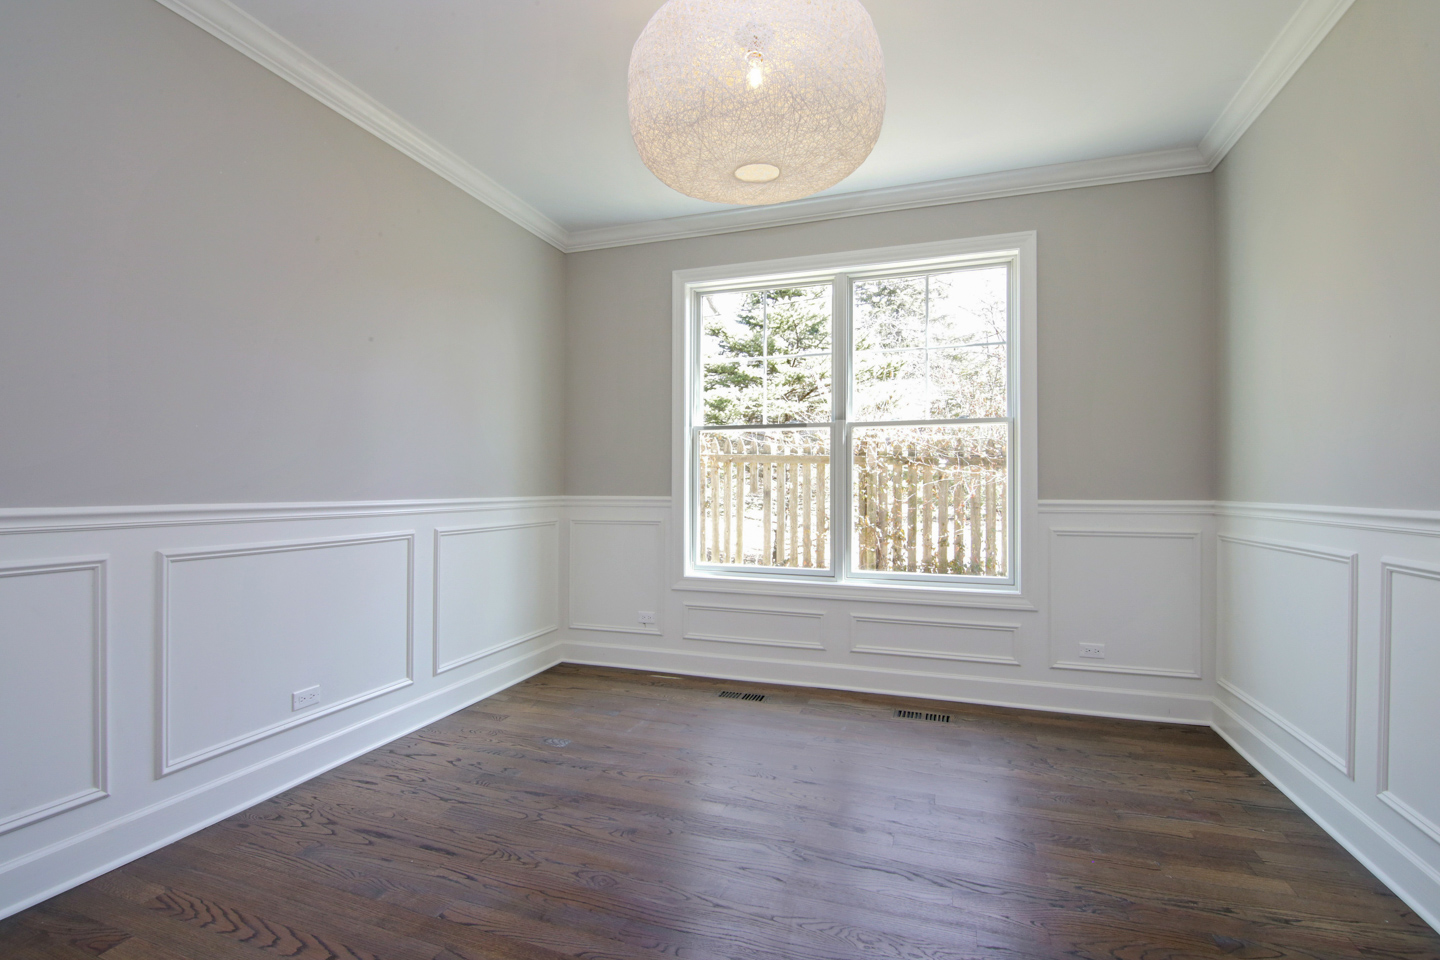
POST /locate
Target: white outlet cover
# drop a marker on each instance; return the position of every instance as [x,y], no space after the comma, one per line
[308,697]
[1095,651]
[647,616]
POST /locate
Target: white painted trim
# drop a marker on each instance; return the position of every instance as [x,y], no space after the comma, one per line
[1422,523]
[166,764]
[688,634]
[1011,628]
[99,638]
[926,684]
[29,520]
[1345,764]
[1197,648]
[985,186]
[437,667]
[228,23]
[1309,25]
[1202,508]
[1388,569]
[1343,837]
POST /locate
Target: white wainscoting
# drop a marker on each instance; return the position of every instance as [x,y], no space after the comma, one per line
[1408,778]
[755,626]
[1329,644]
[496,586]
[1145,560]
[931,639]
[617,569]
[1288,639]
[244,627]
[1320,606]
[1138,592]
[52,679]
[200,622]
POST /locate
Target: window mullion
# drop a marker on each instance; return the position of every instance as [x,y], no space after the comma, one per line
[840,398]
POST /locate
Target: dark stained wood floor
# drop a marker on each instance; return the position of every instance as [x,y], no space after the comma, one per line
[612,814]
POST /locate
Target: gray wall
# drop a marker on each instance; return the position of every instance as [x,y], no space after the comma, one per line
[1127,339]
[1329,218]
[214,289]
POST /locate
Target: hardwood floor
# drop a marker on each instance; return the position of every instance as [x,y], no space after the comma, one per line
[613,814]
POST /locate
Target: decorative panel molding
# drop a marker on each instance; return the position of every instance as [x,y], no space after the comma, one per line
[244,627]
[1140,593]
[495,587]
[1409,704]
[52,687]
[935,639]
[755,626]
[1289,635]
[617,570]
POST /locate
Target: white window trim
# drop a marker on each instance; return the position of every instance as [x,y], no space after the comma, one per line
[1023,367]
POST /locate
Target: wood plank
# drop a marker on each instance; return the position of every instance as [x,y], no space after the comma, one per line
[813,825]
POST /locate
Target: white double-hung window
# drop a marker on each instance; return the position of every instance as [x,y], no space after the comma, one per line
[858,418]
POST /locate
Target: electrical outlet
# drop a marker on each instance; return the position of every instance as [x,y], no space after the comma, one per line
[647,616]
[308,697]
[1095,651]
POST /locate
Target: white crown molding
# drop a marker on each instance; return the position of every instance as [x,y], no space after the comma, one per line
[1309,25]
[229,23]
[985,186]
[1300,36]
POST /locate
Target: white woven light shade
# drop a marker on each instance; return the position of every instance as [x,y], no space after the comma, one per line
[756,101]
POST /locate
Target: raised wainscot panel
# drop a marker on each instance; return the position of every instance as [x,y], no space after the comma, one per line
[1287,639]
[928,639]
[246,628]
[1409,698]
[1136,594]
[52,688]
[754,626]
[495,587]
[616,572]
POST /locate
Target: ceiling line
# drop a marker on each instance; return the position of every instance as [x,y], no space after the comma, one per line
[237,28]
[1310,24]
[1300,36]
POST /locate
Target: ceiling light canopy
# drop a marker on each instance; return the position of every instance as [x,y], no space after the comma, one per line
[756,101]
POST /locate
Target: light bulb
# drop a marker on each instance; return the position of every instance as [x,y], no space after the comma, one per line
[757,72]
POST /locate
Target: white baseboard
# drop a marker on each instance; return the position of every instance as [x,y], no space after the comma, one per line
[1019,694]
[1397,866]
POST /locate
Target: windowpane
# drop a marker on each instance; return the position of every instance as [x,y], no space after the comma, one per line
[764,498]
[798,319]
[969,382]
[889,313]
[798,390]
[734,391]
[890,385]
[969,306]
[931,499]
[766,355]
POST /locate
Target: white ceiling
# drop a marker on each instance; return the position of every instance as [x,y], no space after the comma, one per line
[531,93]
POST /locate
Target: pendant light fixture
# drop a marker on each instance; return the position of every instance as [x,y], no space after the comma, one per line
[756,101]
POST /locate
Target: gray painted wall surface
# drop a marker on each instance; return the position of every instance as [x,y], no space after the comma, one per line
[215,289]
[1127,338]
[1329,213]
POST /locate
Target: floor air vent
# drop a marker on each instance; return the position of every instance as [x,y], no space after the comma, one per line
[917,715]
[735,695]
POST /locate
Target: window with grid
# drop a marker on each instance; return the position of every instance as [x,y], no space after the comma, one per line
[856,424]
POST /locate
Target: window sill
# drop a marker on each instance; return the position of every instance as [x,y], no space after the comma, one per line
[989,598]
